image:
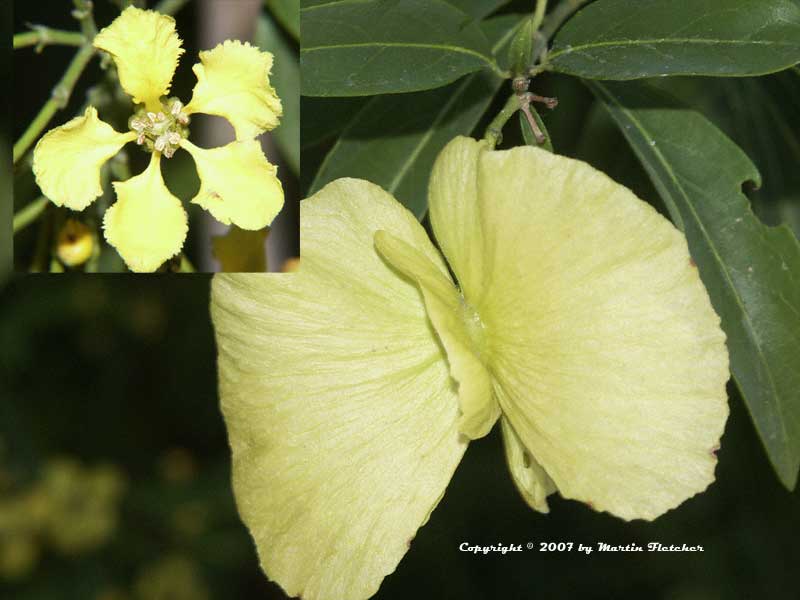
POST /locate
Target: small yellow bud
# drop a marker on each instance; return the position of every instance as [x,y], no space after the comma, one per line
[74,244]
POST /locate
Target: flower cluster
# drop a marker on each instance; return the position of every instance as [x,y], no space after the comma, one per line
[148,225]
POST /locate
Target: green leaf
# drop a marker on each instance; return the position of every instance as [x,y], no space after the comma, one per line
[759,114]
[388,46]
[620,39]
[752,271]
[325,118]
[478,9]
[287,13]
[394,140]
[527,132]
[286,79]
[764,114]
[773,139]
[520,53]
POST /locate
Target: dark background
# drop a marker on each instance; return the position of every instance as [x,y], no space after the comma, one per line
[120,370]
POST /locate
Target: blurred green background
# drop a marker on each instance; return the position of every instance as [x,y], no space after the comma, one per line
[114,479]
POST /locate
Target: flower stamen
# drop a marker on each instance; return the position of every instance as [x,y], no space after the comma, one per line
[161,131]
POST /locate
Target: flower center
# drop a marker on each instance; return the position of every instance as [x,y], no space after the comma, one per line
[161,131]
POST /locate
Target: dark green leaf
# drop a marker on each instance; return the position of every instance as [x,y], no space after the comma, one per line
[752,271]
[764,114]
[761,115]
[394,140]
[286,79]
[527,132]
[478,9]
[520,53]
[388,46]
[287,13]
[325,118]
[621,39]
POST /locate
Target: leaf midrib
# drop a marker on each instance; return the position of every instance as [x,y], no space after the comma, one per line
[445,47]
[334,3]
[650,42]
[395,183]
[445,109]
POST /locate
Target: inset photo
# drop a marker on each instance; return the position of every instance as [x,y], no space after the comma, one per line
[155,136]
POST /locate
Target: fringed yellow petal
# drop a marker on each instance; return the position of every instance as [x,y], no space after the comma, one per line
[145,48]
[237,184]
[341,413]
[147,225]
[607,357]
[233,82]
[67,160]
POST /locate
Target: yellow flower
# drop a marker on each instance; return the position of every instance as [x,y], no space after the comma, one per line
[351,388]
[148,225]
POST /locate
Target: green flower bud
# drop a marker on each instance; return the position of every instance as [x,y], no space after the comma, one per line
[520,53]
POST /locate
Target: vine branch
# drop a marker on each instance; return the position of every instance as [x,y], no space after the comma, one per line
[170,7]
[494,132]
[58,100]
[84,14]
[550,24]
[538,14]
[27,215]
[42,36]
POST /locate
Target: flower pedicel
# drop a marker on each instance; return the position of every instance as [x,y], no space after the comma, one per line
[148,225]
[351,388]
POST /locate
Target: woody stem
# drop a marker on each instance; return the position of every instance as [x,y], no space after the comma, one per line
[550,24]
[494,132]
[58,100]
[538,13]
[84,14]
[170,7]
[537,133]
[27,215]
